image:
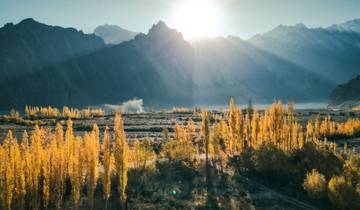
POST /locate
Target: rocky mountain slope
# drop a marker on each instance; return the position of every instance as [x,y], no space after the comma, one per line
[113,34]
[348,92]
[63,66]
[232,67]
[29,46]
[348,26]
[331,54]
[154,67]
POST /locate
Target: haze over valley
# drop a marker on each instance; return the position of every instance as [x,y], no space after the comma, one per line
[69,67]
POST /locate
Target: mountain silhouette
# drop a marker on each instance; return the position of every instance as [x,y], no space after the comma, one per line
[331,54]
[347,92]
[234,67]
[348,26]
[113,34]
[165,70]
[154,67]
[29,46]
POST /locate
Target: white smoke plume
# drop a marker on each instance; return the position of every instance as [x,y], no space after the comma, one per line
[132,106]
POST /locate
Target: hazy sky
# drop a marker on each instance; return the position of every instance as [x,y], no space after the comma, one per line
[237,17]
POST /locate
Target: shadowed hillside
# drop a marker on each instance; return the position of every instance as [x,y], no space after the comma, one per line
[233,67]
[155,67]
[332,54]
[162,68]
[30,45]
[113,34]
[349,91]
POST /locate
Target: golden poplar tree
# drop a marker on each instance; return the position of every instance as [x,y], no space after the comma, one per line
[232,115]
[59,166]
[69,144]
[239,125]
[75,172]
[27,162]
[20,181]
[96,134]
[46,173]
[190,129]
[106,176]
[309,131]
[140,154]
[121,157]
[165,134]
[205,124]
[254,129]
[2,174]
[37,157]
[91,161]
[8,172]
[247,130]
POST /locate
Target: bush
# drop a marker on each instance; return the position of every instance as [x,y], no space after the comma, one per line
[178,150]
[341,194]
[272,163]
[315,184]
[352,169]
[313,157]
[242,163]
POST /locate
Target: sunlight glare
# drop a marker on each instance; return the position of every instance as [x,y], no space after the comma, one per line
[196,18]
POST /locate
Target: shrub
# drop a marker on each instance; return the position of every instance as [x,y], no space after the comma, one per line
[271,163]
[178,150]
[342,194]
[319,158]
[352,169]
[315,184]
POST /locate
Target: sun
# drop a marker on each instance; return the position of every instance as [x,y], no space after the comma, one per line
[196,18]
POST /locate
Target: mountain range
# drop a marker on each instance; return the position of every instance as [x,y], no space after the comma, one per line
[51,65]
[113,34]
[30,46]
[349,26]
[154,67]
[331,54]
[346,94]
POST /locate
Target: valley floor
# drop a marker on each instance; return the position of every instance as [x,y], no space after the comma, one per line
[233,189]
[151,124]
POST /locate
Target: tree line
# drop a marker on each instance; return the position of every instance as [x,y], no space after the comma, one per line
[56,169]
[35,172]
[67,112]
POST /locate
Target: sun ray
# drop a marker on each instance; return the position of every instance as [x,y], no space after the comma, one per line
[196,18]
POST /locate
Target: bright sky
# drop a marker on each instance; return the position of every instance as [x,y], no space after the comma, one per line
[194,18]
